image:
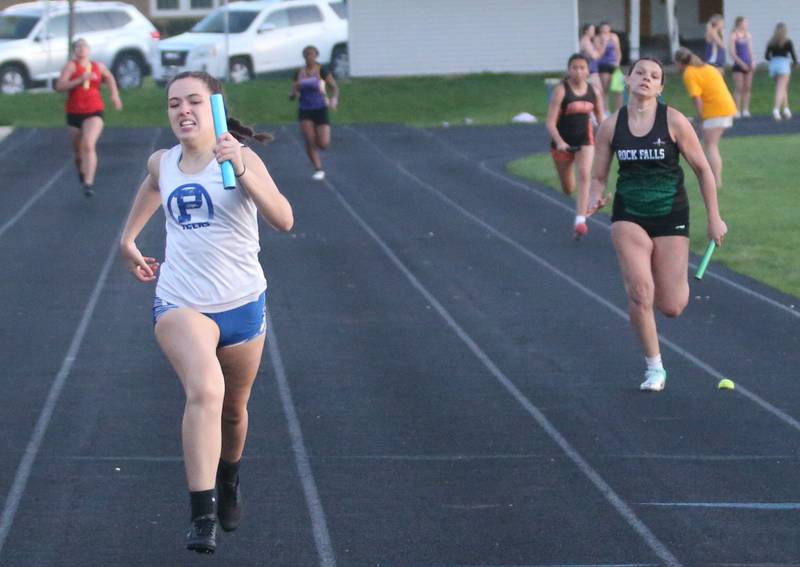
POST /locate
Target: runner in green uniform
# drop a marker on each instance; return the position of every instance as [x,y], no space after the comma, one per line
[650,220]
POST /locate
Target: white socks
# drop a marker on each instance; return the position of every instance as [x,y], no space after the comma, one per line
[654,363]
[580,219]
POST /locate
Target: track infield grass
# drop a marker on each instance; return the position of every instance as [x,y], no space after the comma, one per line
[484,99]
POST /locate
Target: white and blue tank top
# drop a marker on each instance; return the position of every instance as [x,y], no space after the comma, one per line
[211,259]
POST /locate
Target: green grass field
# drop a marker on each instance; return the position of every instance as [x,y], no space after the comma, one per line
[419,101]
[757,202]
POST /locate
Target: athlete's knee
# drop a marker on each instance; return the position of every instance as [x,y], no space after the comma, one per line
[674,303]
[207,393]
[88,146]
[234,413]
[673,309]
[323,144]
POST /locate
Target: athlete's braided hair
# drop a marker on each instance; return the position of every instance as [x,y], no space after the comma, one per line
[235,126]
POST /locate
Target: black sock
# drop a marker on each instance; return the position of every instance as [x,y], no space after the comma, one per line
[203,503]
[228,472]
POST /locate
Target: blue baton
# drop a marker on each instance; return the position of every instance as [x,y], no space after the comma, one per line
[220,127]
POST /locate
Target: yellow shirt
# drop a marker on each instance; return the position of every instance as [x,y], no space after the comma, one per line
[707,83]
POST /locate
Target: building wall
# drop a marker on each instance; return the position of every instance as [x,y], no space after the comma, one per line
[613,12]
[762,17]
[420,37]
[596,11]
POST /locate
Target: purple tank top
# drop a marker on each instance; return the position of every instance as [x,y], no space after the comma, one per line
[593,67]
[311,98]
[714,54]
[742,52]
[609,56]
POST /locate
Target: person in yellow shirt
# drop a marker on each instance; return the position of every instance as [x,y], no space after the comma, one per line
[713,102]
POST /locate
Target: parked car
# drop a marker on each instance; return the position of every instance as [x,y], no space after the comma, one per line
[33,48]
[263,36]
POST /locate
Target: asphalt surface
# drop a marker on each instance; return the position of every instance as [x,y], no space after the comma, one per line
[451,379]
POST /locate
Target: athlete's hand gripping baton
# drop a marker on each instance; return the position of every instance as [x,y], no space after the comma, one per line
[701,269]
[220,127]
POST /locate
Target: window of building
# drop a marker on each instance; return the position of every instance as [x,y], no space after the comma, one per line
[173,8]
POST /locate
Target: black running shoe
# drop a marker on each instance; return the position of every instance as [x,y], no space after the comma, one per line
[202,536]
[88,191]
[229,504]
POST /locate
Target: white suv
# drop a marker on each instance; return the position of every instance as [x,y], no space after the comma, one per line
[263,36]
[33,48]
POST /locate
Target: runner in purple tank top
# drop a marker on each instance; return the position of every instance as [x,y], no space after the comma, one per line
[611,57]
[589,50]
[309,85]
[715,42]
[741,50]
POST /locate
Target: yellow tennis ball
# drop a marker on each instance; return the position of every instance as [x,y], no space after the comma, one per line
[726,384]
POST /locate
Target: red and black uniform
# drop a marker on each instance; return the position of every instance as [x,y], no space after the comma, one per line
[85,101]
[574,120]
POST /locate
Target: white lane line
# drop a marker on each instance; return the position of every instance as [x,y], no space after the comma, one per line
[598,222]
[436,458]
[25,466]
[319,525]
[701,458]
[734,505]
[129,458]
[35,197]
[592,475]
[34,444]
[553,565]
[780,414]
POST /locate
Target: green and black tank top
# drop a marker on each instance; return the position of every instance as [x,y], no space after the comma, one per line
[650,180]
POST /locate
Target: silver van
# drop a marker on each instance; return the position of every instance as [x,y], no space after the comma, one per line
[33,48]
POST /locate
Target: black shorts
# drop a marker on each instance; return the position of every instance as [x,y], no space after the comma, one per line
[606,68]
[318,116]
[737,69]
[675,223]
[76,120]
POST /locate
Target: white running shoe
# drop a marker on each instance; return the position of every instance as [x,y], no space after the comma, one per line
[737,115]
[654,380]
[787,114]
[776,114]
[319,175]
[746,114]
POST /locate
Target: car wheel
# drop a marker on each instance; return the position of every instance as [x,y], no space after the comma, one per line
[340,62]
[128,70]
[13,79]
[240,70]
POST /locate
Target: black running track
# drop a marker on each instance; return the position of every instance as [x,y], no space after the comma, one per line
[451,379]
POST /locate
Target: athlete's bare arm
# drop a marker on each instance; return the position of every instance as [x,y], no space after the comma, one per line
[602,164]
[145,204]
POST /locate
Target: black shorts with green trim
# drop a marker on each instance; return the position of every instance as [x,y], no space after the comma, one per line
[676,223]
